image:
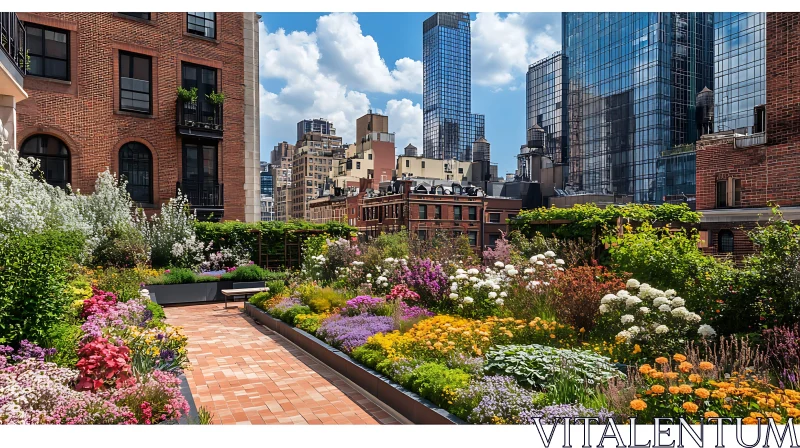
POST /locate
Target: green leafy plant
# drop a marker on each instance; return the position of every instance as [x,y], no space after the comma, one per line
[187,95]
[309,322]
[437,383]
[216,98]
[252,273]
[123,246]
[204,417]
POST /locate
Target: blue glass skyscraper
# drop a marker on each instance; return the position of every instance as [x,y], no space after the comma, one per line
[740,69]
[633,81]
[449,127]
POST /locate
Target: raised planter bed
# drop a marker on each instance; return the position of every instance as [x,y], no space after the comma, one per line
[196,292]
[413,407]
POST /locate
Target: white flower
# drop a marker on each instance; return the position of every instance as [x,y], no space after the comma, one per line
[492,295]
[693,318]
[632,301]
[528,270]
[473,271]
[540,263]
[451,277]
[632,284]
[624,335]
[468,300]
[623,293]
[503,294]
[634,330]
[454,288]
[474,279]
[509,267]
[608,298]
[382,279]
[661,329]
[669,292]
[626,319]
[665,308]
[453,295]
[644,286]
[499,264]
[541,257]
[389,260]
[559,261]
[603,309]
[495,287]
[706,331]
[369,275]
[513,272]
[677,301]
[550,254]
[460,271]
[499,302]
[660,301]
[462,276]
[644,310]
[533,259]
[680,312]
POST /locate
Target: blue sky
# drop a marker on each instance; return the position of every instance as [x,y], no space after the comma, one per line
[337,66]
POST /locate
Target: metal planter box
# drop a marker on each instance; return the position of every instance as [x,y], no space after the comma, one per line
[185,293]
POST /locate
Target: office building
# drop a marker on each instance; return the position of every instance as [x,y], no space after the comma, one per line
[319,125]
[313,159]
[546,104]
[267,183]
[281,167]
[633,83]
[372,157]
[102,90]
[740,69]
[449,126]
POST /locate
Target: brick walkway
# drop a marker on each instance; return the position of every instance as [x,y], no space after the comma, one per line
[244,373]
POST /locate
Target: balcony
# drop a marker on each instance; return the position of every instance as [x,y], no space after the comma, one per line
[13,57]
[746,141]
[199,119]
[205,198]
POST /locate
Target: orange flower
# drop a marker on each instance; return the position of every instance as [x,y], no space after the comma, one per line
[662,360]
[674,390]
[638,405]
[695,378]
[690,407]
[710,414]
[679,358]
[671,375]
[706,366]
[702,393]
[793,412]
[656,374]
[657,389]
[775,416]
[645,369]
[749,421]
[685,389]
[636,349]
[685,367]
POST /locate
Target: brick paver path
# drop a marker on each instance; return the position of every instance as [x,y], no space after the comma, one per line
[244,373]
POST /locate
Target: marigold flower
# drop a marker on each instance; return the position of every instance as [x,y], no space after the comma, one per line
[793,412]
[685,388]
[749,421]
[775,416]
[671,375]
[657,389]
[706,366]
[685,367]
[695,378]
[638,405]
[655,374]
[674,390]
[710,414]
[702,393]
[679,358]
[662,360]
[690,407]
[636,349]
[644,369]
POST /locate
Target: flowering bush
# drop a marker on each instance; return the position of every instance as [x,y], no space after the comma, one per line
[783,351]
[551,415]
[171,235]
[525,286]
[156,349]
[688,391]
[655,320]
[401,292]
[310,322]
[99,303]
[494,399]
[575,294]
[226,259]
[366,305]
[152,399]
[102,364]
[349,332]
[427,278]
[538,365]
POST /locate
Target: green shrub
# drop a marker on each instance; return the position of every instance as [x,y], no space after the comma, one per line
[252,273]
[539,365]
[259,299]
[158,314]
[34,279]
[122,247]
[177,276]
[289,315]
[125,283]
[65,337]
[438,383]
[309,322]
[322,300]
[368,356]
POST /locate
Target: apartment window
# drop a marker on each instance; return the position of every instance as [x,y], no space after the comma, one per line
[760,119]
[423,212]
[457,213]
[494,218]
[493,237]
[461,171]
[53,156]
[510,216]
[473,213]
[202,24]
[437,212]
[729,193]
[407,163]
[135,72]
[725,241]
[369,156]
[422,234]
[473,238]
[136,164]
[48,49]
[423,164]
[137,15]
[358,165]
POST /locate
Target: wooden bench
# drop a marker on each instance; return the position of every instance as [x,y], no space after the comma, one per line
[242,292]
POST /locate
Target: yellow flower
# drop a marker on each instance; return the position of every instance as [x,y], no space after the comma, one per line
[793,412]
[636,349]
[706,366]
[638,405]
[702,393]
[656,374]
[679,358]
[775,416]
[671,375]
[690,407]
[749,421]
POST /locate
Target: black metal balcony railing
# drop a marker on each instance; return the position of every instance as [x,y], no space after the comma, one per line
[12,40]
[199,115]
[202,194]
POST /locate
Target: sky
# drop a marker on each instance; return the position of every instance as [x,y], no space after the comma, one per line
[340,65]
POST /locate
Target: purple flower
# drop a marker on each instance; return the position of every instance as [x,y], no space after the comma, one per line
[349,332]
[413,312]
[362,305]
[284,305]
[550,415]
[427,278]
[496,399]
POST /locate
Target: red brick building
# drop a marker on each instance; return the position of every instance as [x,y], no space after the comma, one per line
[102,93]
[737,176]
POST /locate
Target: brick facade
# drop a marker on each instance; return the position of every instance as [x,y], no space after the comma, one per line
[84,111]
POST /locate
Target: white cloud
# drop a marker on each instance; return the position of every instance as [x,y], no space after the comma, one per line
[503,47]
[326,73]
[405,120]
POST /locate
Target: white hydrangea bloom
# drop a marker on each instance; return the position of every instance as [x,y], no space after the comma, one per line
[528,270]
[706,331]
[693,318]
[661,329]
[669,292]
[503,294]
[453,295]
[559,262]
[550,254]
[460,271]
[492,295]
[634,330]
[644,310]
[369,275]
[513,272]
[499,302]
[473,271]
[608,298]
[623,293]
[632,284]
[658,301]
[665,308]
[677,301]
[499,264]
[624,335]
[603,309]
[680,312]
[468,300]
[533,259]
[540,262]
[626,319]
[632,301]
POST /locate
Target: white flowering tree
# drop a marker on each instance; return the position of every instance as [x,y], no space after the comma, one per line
[171,235]
[655,320]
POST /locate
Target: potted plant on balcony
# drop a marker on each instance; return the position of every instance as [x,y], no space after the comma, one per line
[188,98]
[216,99]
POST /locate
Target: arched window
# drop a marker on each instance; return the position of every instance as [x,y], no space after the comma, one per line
[136,165]
[53,156]
[725,241]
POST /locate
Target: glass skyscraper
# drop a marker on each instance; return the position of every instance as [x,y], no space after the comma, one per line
[633,82]
[739,69]
[320,125]
[546,103]
[449,126]
[266,183]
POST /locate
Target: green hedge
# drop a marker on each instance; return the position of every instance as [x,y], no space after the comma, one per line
[234,233]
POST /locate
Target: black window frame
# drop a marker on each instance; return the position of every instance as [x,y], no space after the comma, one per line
[472,236]
[138,15]
[45,158]
[407,163]
[457,213]
[725,241]
[473,213]
[149,59]
[141,149]
[194,32]
[423,212]
[491,218]
[31,51]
